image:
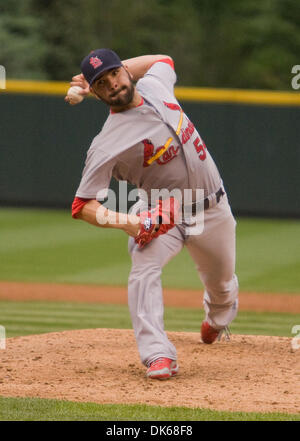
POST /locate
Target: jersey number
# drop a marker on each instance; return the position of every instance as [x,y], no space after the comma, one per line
[200,148]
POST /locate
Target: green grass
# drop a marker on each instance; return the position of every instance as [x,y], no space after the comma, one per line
[35,409]
[49,246]
[268,255]
[25,318]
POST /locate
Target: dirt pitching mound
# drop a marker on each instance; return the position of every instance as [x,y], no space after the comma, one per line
[249,373]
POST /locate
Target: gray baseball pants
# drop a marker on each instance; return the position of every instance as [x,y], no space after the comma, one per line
[213,252]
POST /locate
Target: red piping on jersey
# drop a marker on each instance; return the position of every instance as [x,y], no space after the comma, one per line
[141,103]
[77,206]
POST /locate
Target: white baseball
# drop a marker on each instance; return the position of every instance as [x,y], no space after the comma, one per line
[74,96]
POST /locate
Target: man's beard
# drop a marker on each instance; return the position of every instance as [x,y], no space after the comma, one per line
[124,99]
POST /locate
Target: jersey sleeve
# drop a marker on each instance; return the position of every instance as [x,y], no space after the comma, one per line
[163,70]
[95,180]
[77,206]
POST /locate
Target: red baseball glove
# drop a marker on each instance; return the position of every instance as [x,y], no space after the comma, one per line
[157,221]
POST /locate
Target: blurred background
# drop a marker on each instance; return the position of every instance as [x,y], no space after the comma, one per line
[233,61]
[234,64]
[241,44]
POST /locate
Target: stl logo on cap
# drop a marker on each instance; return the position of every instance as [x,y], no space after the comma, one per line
[95,62]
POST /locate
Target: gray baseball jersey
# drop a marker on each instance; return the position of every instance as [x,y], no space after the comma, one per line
[130,139]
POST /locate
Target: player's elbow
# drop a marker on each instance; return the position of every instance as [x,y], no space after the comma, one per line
[77,215]
[164,56]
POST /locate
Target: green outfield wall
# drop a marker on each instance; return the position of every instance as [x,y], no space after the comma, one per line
[253,136]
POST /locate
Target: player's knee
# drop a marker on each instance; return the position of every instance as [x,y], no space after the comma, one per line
[222,289]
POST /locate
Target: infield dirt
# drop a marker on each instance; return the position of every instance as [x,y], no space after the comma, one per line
[248,373]
[259,302]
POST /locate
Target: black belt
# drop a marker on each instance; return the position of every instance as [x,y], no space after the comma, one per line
[218,194]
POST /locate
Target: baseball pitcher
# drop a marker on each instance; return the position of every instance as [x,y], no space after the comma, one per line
[149,141]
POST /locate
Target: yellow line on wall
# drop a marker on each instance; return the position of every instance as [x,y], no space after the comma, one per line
[36,87]
[238,96]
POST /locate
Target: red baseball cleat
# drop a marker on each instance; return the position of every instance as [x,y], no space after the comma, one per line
[162,369]
[210,334]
